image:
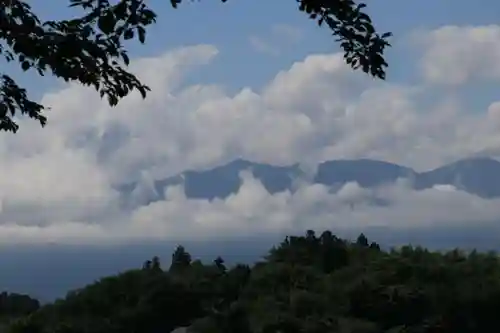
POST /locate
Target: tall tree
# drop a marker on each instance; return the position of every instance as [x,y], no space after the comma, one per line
[362,240]
[180,259]
[89,49]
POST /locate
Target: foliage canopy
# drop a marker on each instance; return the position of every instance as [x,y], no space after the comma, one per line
[307,284]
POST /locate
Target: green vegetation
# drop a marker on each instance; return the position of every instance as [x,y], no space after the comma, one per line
[305,284]
[90,49]
[17,305]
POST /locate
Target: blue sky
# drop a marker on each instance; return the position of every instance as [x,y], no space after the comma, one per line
[229,26]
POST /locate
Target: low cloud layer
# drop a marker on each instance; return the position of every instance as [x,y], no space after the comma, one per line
[253,211]
[58,181]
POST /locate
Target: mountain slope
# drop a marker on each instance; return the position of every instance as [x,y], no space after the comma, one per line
[367,173]
[219,182]
[479,176]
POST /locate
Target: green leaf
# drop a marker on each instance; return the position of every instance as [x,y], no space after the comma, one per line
[25,65]
[107,23]
[128,34]
[125,58]
[142,34]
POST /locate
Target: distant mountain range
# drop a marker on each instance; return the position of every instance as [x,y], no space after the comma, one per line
[479,176]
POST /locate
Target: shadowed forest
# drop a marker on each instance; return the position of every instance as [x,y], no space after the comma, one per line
[306,283]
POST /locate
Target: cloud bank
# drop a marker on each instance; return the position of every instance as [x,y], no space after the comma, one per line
[58,182]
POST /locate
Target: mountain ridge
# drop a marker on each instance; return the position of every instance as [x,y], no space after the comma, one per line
[475,175]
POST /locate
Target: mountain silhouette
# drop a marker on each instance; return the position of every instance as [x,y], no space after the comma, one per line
[367,173]
[479,176]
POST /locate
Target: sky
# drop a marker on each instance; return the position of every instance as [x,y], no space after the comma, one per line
[260,81]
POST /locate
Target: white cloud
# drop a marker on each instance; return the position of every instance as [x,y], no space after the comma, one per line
[253,210]
[57,183]
[263,46]
[280,36]
[288,32]
[456,54]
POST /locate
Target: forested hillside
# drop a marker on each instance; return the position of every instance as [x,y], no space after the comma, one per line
[305,284]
